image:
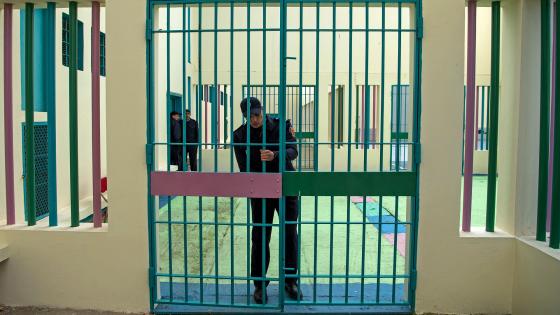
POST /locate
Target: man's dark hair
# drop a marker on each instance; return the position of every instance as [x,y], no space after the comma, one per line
[173,113]
[255,106]
[188,111]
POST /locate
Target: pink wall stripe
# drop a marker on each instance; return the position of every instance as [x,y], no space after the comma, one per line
[253,185]
[469,126]
[552,119]
[8,116]
[96,114]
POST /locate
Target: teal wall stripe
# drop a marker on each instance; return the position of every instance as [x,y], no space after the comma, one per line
[50,97]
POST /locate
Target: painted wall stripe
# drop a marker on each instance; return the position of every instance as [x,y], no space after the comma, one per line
[50,94]
[552,118]
[8,115]
[253,185]
[494,113]
[544,180]
[96,113]
[555,213]
[29,117]
[73,104]
[469,125]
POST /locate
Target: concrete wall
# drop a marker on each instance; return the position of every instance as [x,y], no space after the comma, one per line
[62,117]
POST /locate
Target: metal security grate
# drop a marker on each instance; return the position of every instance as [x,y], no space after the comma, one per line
[322,191]
[41,168]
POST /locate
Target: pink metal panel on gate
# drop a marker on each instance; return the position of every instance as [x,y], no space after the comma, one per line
[252,185]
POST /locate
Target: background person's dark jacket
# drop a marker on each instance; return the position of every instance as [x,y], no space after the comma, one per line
[192,131]
[176,136]
[272,144]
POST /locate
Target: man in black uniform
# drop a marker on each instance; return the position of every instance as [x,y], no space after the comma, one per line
[192,138]
[270,155]
[176,136]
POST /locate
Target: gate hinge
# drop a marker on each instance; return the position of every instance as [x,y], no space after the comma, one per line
[151,277]
[149,155]
[149,30]
[418,153]
[420,28]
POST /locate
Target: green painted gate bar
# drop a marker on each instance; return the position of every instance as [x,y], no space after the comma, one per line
[544,143]
[73,121]
[494,111]
[349,184]
[29,118]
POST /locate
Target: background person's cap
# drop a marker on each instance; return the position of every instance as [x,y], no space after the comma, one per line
[255,107]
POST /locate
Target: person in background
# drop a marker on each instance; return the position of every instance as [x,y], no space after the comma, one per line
[192,140]
[176,136]
[268,154]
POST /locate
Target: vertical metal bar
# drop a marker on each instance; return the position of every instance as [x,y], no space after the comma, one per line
[542,204]
[199,114]
[469,125]
[365,148]
[263,100]
[8,115]
[50,95]
[152,260]
[300,114]
[398,167]
[349,148]
[232,247]
[415,166]
[494,110]
[96,113]
[29,117]
[333,126]
[169,198]
[381,149]
[216,140]
[555,214]
[316,145]
[248,147]
[74,182]
[186,95]
[282,115]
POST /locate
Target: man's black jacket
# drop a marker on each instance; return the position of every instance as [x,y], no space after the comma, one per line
[271,143]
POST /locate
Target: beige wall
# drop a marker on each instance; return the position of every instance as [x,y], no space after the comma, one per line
[106,268]
[536,285]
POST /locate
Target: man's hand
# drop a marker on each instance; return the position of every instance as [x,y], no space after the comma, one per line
[267,155]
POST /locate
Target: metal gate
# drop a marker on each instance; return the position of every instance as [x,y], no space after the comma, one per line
[337,206]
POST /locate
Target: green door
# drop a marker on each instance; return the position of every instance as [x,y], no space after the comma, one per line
[334,208]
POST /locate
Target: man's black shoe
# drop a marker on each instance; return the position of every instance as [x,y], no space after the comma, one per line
[259,296]
[293,291]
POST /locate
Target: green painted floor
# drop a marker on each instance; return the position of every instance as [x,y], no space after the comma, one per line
[231,246]
[478,212]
